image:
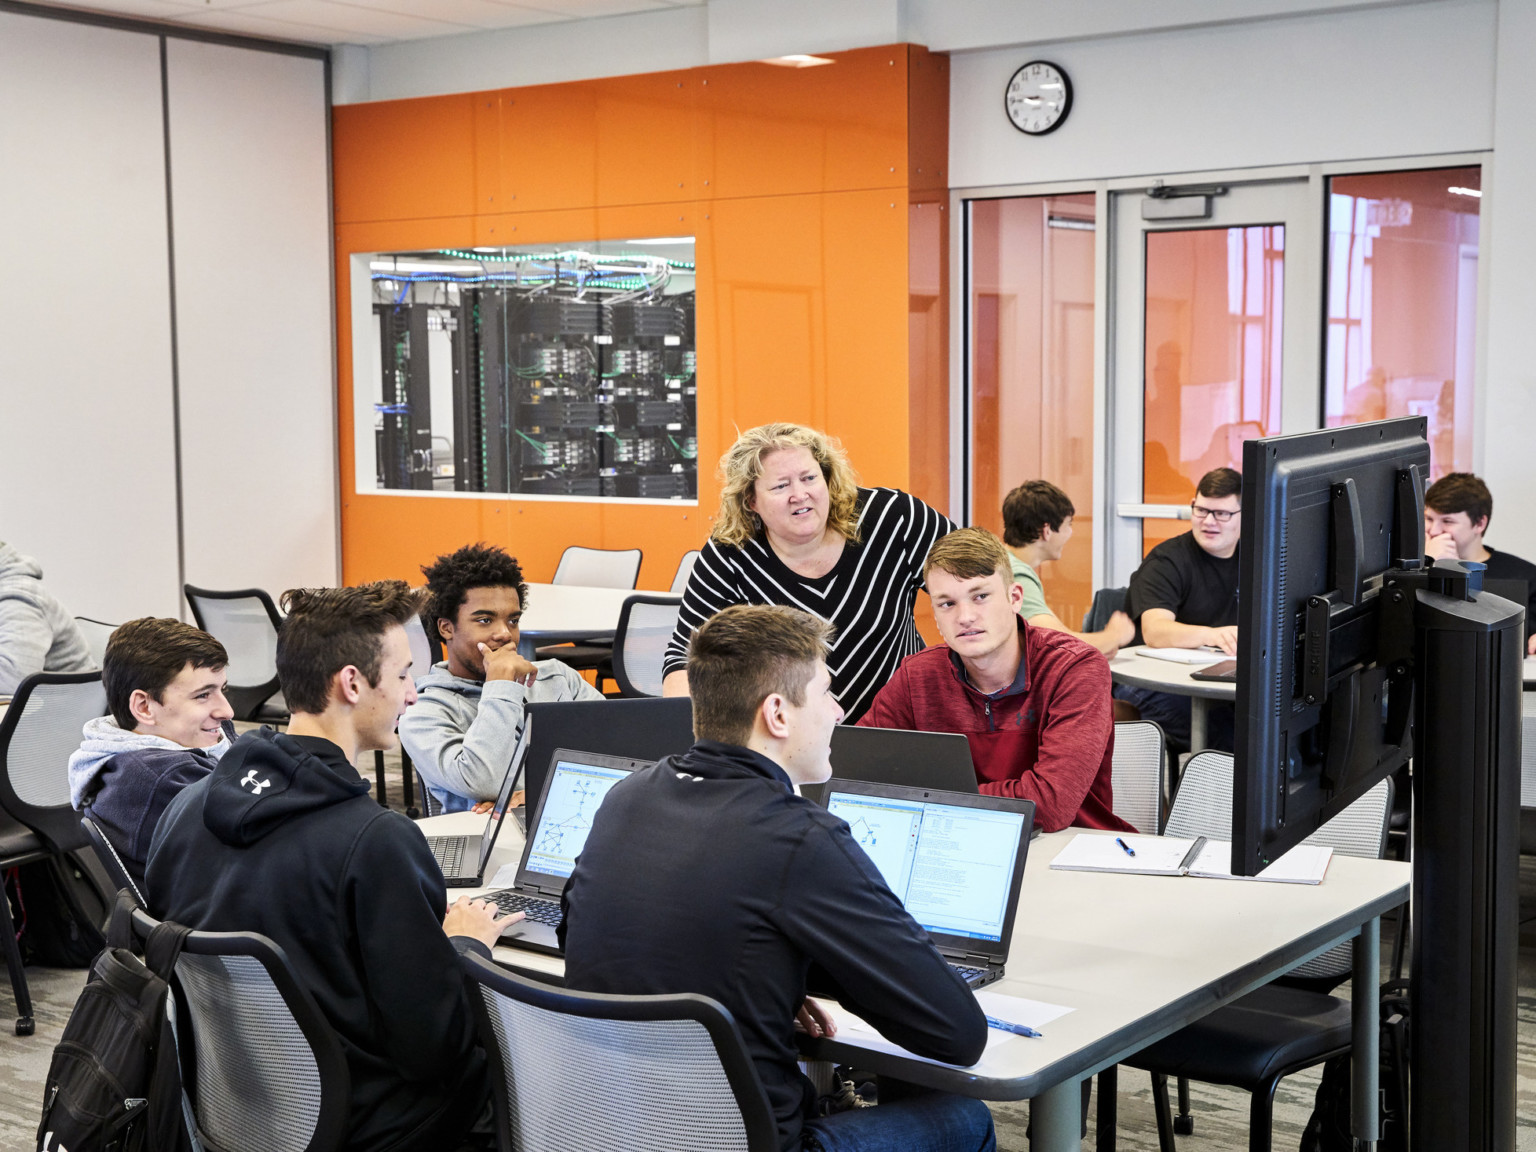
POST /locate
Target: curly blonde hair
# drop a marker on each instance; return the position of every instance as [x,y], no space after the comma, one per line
[742,464]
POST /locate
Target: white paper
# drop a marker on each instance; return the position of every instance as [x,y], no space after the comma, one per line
[1014,1009]
[1155,855]
[1303,864]
[1184,655]
[506,875]
[1018,1010]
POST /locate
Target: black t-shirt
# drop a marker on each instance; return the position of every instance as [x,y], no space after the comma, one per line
[1184,578]
[1506,566]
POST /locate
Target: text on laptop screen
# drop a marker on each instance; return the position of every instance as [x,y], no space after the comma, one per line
[950,866]
[575,793]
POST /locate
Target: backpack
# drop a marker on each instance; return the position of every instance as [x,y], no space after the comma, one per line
[1328,1129]
[114,1084]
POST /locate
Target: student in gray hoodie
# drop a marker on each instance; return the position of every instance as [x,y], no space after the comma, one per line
[37,634]
[168,728]
[461,731]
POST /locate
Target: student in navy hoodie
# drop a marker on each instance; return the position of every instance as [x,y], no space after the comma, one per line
[167,729]
[283,838]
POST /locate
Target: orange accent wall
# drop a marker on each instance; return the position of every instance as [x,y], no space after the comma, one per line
[817,197]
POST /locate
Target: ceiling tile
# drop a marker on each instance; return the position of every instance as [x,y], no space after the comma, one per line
[587,9]
[472,13]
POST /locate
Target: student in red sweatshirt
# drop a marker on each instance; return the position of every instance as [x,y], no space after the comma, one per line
[1033,703]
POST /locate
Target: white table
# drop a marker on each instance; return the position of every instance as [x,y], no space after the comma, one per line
[1128,667]
[1135,957]
[557,613]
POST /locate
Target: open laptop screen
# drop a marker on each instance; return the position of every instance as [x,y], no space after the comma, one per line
[571,798]
[503,797]
[952,867]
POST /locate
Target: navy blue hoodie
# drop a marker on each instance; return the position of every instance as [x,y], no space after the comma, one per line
[283,838]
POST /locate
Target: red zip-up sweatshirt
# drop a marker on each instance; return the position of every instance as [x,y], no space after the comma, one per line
[1048,737]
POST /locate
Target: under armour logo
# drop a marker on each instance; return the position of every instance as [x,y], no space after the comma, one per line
[255,784]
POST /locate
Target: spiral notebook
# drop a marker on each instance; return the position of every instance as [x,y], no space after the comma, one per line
[1174,856]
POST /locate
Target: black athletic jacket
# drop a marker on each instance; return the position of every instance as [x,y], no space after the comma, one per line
[706,873]
[284,839]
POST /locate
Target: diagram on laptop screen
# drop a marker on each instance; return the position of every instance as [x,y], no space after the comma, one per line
[886,829]
[575,793]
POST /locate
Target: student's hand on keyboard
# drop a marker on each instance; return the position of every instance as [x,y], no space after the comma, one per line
[479,919]
[815,1020]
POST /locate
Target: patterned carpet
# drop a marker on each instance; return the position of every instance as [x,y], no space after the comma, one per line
[1221,1114]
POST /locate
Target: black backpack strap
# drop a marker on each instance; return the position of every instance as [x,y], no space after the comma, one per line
[120,923]
[163,948]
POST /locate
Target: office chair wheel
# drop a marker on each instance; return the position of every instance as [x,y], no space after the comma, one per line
[25,1026]
[413,812]
[1184,1125]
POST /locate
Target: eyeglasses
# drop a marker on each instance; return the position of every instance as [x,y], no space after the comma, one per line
[1221,516]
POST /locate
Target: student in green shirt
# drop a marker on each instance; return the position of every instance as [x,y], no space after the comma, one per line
[1037,523]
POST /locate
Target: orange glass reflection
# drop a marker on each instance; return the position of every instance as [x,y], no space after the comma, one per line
[1214,304]
[1402,303]
[1031,354]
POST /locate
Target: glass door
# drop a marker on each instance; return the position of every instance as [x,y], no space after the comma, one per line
[1215,298]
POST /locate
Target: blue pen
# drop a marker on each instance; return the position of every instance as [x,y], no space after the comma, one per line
[1129,851]
[1016,1029]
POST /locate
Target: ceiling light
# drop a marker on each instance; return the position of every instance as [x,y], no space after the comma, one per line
[1477,192]
[797,61]
[663,240]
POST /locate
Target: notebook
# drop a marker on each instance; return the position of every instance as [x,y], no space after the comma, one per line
[938,760]
[573,790]
[1174,856]
[1181,655]
[453,852]
[954,861]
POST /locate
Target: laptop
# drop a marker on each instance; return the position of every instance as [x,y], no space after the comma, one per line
[1223,673]
[955,862]
[936,760]
[573,791]
[454,852]
[645,729]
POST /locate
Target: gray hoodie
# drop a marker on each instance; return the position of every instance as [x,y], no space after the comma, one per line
[460,733]
[36,633]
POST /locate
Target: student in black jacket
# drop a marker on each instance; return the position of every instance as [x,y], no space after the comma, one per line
[283,838]
[1457,509]
[707,873]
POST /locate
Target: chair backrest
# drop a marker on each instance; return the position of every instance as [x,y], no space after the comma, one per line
[646,624]
[582,1070]
[424,653]
[429,804]
[96,635]
[1528,750]
[116,871]
[1137,767]
[263,1068]
[1203,807]
[246,622]
[1106,602]
[684,570]
[40,730]
[599,567]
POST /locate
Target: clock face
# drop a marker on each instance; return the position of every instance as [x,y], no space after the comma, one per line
[1039,97]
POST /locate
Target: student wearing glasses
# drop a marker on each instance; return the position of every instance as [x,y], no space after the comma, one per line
[1184,595]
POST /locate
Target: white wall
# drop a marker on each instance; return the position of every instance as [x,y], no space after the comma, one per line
[89,353]
[87,466]
[251,202]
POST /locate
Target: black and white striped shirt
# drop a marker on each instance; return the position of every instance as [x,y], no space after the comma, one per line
[868,595]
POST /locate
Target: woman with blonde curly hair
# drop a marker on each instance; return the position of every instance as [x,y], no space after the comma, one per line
[795,528]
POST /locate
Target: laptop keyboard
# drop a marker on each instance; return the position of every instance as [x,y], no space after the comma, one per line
[449,851]
[969,975]
[532,908]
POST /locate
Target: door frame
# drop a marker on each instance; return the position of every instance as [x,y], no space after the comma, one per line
[1104,321]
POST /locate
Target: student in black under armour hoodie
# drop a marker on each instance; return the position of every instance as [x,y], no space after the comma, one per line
[283,838]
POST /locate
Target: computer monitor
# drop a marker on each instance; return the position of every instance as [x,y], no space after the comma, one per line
[1323,712]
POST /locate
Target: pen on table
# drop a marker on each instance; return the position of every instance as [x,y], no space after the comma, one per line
[1129,851]
[1016,1029]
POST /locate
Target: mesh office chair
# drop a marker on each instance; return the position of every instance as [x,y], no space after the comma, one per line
[37,734]
[263,1069]
[599,567]
[646,624]
[246,623]
[116,870]
[1137,769]
[684,570]
[1281,1028]
[582,1070]
[96,635]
